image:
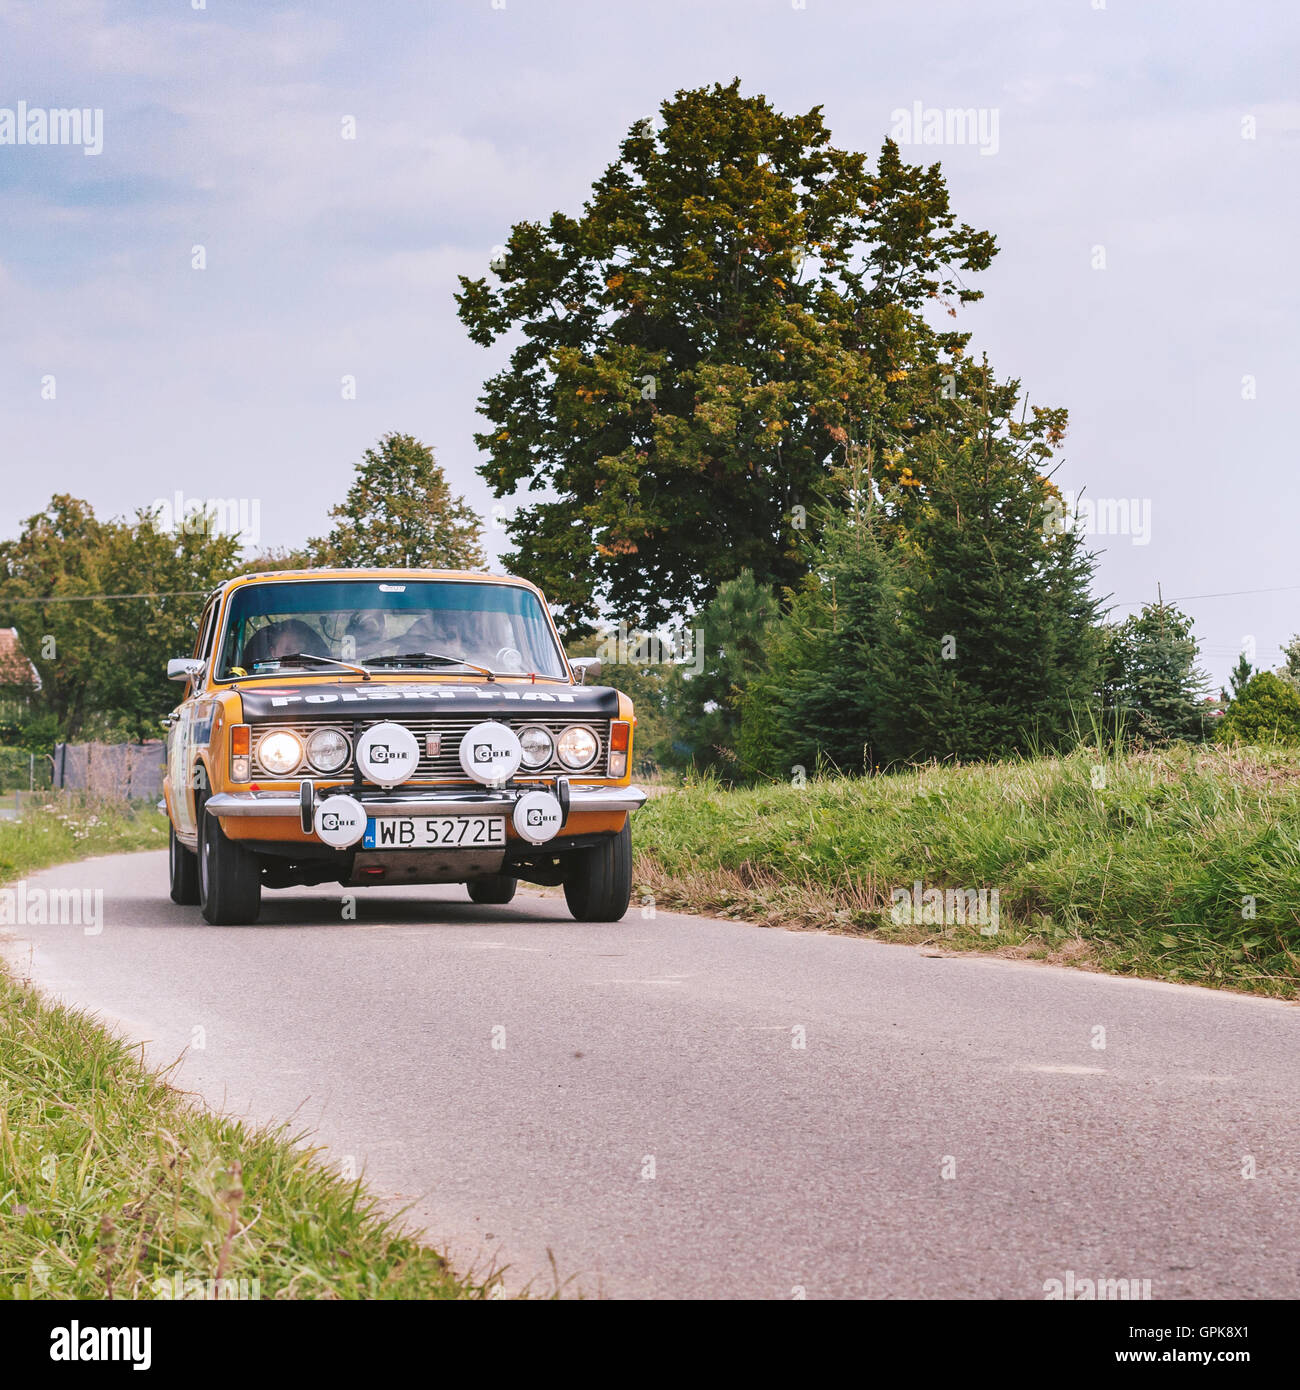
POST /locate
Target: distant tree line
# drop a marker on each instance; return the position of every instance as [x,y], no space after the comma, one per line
[854,675]
[99,606]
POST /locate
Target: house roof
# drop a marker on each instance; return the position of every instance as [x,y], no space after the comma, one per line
[16,669]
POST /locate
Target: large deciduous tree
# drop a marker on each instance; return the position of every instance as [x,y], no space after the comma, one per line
[738,303]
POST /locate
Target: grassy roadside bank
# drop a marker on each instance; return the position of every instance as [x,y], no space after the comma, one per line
[1181,865]
[61,829]
[115,1185]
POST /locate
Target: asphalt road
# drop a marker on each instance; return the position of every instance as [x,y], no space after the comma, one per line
[648,1116]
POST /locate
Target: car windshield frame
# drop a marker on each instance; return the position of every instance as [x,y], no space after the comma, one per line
[515,606]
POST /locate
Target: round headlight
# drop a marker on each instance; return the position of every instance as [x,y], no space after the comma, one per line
[538,746]
[578,747]
[327,750]
[280,752]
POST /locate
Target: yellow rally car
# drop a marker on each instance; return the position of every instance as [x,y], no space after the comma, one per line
[394,726]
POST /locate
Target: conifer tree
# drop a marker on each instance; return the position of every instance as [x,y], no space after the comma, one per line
[400,512]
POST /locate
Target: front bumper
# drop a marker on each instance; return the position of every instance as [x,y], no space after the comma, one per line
[425,801]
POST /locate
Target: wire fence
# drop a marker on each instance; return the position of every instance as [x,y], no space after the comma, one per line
[22,771]
[122,771]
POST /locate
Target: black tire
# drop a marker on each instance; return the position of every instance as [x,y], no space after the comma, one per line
[496,889]
[183,866]
[230,878]
[598,887]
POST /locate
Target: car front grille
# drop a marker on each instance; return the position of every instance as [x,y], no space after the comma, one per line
[445,765]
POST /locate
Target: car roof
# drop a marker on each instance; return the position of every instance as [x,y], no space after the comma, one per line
[460,576]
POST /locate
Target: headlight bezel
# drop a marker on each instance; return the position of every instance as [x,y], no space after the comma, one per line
[317,766]
[585,763]
[528,762]
[269,737]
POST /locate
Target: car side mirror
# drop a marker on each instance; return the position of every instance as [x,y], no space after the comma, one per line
[586,667]
[185,668]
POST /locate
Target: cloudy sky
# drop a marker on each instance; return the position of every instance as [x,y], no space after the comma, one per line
[1158,139]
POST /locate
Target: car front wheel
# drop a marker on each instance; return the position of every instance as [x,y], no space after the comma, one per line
[230,878]
[598,887]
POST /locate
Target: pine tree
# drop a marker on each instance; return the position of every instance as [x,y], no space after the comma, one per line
[400,512]
[1240,676]
[1158,688]
[832,697]
[946,613]
[735,629]
[998,633]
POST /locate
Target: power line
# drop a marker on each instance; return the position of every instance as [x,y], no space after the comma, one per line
[1231,593]
[96,598]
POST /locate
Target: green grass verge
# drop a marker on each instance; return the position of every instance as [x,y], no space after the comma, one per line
[114,1184]
[58,829]
[1180,865]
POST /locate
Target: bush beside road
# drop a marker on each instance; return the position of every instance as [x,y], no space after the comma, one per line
[1182,864]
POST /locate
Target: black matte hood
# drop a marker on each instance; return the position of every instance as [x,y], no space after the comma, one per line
[286,702]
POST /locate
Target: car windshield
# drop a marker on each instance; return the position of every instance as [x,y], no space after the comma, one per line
[272,627]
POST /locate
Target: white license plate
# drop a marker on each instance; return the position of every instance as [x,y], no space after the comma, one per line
[434,832]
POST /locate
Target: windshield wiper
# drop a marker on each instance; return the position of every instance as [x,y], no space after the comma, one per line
[307,656]
[440,657]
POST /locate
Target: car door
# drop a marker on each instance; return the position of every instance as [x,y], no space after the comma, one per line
[187,721]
